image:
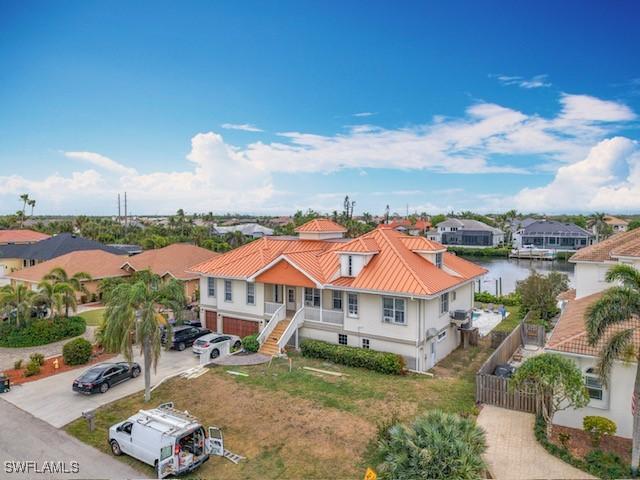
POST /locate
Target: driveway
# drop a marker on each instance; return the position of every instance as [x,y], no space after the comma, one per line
[514,453]
[52,400]
[24,439]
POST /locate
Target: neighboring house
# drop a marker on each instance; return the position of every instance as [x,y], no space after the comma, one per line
[552,235]
[569,336]
[404,225]
[97,263]
[592,263]
[616,224]
[129,249]
[172,261]
[21,237]
[12,244]
[469,233]
[383,290]
[520,223]
[248,229]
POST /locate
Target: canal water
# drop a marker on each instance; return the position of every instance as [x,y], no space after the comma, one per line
[510,270]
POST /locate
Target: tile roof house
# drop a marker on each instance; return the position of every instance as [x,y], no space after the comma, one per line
[569,336]
[420,227]
[383,290]
[22,236]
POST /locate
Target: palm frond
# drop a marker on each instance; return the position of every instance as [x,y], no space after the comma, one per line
[618,304]
[627,275]
[615,349]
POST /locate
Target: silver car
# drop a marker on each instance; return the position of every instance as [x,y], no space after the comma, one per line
[207,343]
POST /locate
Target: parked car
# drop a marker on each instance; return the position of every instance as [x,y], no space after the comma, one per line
[172,441]
[207,343]
[184,336]
[103,376]
[504,370]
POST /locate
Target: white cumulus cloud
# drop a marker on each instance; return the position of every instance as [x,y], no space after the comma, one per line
[101,161]
[246,127]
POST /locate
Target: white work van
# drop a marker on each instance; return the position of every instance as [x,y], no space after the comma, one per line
[172,441]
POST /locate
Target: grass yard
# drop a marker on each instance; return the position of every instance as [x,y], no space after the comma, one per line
[93,317]
[300,424]
[509,323]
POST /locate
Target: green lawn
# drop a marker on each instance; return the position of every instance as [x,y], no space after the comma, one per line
[509,323]
[298,423]
[93,317]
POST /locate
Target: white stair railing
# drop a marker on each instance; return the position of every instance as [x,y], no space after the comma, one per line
[294,324]
[277,316]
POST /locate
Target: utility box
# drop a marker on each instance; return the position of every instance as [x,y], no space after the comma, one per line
[5,384]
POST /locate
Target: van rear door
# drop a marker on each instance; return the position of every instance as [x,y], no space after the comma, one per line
[165,464]
[215,445]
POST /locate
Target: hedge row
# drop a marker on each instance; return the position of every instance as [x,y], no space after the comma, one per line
[480,252]
[382,362]
[598,463]
[510,300]
[41,332]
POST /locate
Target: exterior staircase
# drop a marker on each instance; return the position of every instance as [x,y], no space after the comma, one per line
[270,345]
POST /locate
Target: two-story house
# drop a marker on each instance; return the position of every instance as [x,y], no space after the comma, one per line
[465,232]
[383,290]
[569,337]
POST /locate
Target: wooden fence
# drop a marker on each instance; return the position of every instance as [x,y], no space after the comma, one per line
[493,390]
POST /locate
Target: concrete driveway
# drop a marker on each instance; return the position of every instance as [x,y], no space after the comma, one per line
[27,439]
[514,453]
[52,400]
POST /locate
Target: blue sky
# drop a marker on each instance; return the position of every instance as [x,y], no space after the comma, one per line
[268,107]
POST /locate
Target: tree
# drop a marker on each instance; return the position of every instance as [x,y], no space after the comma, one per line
[538,293]
[19,298]
[132,318]
[615,308]
[633,224]
[67,286]
[601,227]
[25,199]
[436,219]
[436,445]
[555,376]
[32,204]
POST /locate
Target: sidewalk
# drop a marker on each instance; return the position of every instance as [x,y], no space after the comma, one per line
[514,453]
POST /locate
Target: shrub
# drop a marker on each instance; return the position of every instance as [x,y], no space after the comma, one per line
[37,358]
[437,445]
[17,365]
[607,465]
[382,362]
[564,438]
[40,332]
[597,427]
[33,368]
[77,352]
[250,343]
[510,300]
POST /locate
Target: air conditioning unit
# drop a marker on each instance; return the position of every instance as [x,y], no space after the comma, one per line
[459,317]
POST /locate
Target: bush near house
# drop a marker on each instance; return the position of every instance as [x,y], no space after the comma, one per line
[382,362]
[77,352]
[510,300]
[33,368]
[40,332]
[597,427]
[250,343]
[37,358]
[480,252]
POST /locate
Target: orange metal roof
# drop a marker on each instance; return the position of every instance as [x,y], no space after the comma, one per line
[21,236]
[321,225]
[285,273]
[404,222]
[174,259]
[394,268]
[422,244]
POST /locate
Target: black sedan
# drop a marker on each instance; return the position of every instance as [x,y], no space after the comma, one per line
[102,377]
[183,336]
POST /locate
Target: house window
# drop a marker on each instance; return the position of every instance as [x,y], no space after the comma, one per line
[439,260]
[393,310]
[350,266]
[441,336]
[311,297]
[352,300]
[593,384]
[228,297]
[444,303]
[336,298]
[342,339]
[291,295]
[211,286]
[251,293]
[276,294]
[365,343]
[454,295]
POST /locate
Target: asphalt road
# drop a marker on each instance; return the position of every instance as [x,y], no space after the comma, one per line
[24,438]
[53,401]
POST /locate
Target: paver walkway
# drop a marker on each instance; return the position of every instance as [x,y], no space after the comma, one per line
[10,355]
[514,453]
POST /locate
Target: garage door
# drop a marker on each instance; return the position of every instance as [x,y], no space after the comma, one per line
[242,328]
[211,320]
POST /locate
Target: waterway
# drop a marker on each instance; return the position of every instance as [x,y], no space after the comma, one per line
[506,272]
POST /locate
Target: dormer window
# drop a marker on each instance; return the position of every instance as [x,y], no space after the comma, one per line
[350,265]
[439,260]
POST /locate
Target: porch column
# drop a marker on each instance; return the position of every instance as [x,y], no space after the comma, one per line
[321,299]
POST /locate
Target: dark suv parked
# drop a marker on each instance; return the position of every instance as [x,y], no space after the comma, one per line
[184,336]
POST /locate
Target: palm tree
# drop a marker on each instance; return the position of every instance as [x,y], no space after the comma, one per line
[132,318]
[25,199]
[20,298]
[68,286]
[32,204]
[617,306]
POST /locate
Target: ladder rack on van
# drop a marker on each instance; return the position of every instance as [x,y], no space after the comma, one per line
[175,419]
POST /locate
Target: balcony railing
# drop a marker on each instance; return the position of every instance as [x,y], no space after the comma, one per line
[315,314]
[271,307]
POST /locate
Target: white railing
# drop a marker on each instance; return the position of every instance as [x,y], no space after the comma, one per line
[271,307]
[294,324]
[325,316]
[277,316]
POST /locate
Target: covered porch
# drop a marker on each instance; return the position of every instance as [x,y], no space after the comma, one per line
[318,305]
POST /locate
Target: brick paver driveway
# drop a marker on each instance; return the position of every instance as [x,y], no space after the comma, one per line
[514,452]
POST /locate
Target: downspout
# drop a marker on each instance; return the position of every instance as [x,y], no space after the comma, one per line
[418,320]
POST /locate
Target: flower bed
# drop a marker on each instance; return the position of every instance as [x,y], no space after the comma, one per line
[47,369]
[580,444]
